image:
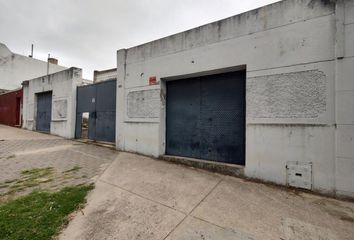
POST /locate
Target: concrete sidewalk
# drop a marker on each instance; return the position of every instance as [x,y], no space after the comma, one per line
[141,198]
[138,197]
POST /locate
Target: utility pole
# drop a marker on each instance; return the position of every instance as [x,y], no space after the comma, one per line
[31,56]
[48,64]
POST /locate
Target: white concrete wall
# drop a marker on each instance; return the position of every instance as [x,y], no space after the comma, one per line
[288,49]
[345,104]
[63,85]
[100,76]
[15,68]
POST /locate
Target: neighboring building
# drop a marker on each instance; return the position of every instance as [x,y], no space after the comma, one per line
[49,102]
[3,91]
[86,82]
[271,89]
[105,75]
[15,68]
[11,108]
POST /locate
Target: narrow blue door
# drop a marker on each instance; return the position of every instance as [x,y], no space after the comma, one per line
[106,111]
[44,111]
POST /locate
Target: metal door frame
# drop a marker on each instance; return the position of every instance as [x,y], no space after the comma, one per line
[164,81]
[36,110]
[93,114]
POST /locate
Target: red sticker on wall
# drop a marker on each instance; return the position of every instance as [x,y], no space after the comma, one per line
[152,80]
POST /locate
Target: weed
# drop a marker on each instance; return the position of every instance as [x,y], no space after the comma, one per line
[29,178]
[74,169]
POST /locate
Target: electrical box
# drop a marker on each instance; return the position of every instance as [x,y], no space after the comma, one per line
[299,174]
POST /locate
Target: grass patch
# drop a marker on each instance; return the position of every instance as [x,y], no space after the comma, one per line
[2,185]
[37,172]
[29,178]
[40,215]
[10,181]
[74,169]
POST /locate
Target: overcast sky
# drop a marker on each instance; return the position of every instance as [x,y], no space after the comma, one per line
[87,33]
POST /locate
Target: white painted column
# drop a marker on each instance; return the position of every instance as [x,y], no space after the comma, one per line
[120,106]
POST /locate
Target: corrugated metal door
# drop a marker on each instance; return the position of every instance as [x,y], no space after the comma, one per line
[206,118]
[106,111]
[44,111]
[86,102]
[183,118]
[100,101]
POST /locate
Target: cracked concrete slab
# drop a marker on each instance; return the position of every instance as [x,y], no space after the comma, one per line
[299,230]
[113,213]
[195,229]
[179,187]
[261,210]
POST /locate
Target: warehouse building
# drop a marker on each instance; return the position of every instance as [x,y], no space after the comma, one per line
[49,102]
[270,91]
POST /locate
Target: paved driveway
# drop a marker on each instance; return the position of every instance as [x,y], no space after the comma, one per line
[138,197]
[65,162]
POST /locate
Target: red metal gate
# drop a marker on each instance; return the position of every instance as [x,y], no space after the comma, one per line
[10,108]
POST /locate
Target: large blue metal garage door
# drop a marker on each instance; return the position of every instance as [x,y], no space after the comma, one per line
[206,117]
[100,101]
[44,111]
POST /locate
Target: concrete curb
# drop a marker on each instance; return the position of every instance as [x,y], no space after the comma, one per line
[223,168]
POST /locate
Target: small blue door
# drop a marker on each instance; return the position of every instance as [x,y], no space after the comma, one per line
[106,111]
[44,111]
